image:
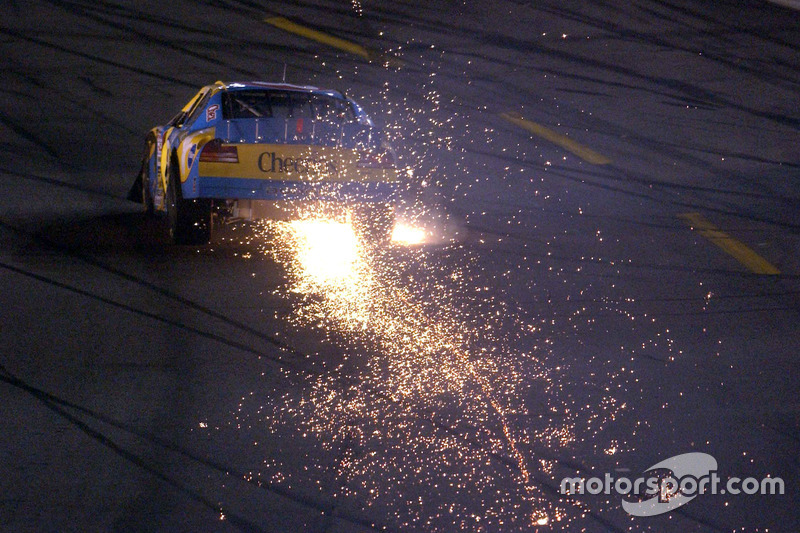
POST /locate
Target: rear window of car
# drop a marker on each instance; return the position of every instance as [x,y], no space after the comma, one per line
[285,105]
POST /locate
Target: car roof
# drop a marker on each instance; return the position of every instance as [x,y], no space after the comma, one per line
[244,85]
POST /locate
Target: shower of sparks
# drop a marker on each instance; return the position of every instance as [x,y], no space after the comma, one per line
[431,396]
[433,371]
[447,405]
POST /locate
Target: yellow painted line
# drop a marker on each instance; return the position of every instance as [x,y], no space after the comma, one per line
[585,153]
[737,249]
[335,42]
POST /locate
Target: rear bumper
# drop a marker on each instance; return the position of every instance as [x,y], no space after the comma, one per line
[267,189]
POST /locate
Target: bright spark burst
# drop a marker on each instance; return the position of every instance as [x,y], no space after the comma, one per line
[328,253]
[408,234]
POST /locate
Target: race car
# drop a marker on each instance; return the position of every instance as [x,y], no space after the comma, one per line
[237,148]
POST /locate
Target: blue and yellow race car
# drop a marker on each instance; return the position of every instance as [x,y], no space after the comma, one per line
[236,148]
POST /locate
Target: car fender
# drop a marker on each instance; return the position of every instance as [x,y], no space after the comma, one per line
[188,156]
[166,151]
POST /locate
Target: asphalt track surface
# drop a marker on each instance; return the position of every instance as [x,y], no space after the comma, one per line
[611,280]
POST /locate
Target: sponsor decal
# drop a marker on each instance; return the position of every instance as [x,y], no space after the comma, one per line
[211,112]
[271,162]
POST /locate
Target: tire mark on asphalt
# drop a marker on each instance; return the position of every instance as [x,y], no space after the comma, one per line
[57,183]
[132,14]
[679,153]
[656,39]
[84,12]
[701,15]
[94,58]
[326,509]
[100,91]
[543,483]
[303,371]
[31,137]
[744,157]
[219,37]
[148,466]
[621,175]
[165,320]
[648,186]
[70,99]
[666,149]
[682,87]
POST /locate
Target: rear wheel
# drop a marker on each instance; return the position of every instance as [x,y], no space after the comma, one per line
[189,221]
[147,197]
[140,190]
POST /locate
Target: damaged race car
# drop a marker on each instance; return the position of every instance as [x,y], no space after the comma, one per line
[238,149]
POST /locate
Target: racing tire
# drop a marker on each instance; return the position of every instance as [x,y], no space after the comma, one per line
[147,197]
[374,222]
[188,221]
[140,190]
